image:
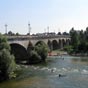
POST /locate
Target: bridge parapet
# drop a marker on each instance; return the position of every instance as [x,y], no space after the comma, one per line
[26,37]
[55,40]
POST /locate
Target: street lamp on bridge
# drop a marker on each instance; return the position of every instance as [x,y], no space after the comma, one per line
[29,28]
[6,28]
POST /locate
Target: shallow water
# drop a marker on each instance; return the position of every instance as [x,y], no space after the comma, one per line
[73,70]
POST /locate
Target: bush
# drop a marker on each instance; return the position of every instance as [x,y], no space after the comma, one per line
[4,43]
[42,50]
[34,57]
[38,53]
[7,63]
[69,49]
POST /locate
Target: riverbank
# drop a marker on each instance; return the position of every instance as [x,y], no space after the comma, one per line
[57,53]
[60,53]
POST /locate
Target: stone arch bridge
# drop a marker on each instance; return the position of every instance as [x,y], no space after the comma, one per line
[19,44]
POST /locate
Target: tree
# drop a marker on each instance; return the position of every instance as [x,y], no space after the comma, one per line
[33,57]
[59,33]
[74,38]
[7,63]
[10,33]
[79,41]
[82,41]
[4,43]
[17,34]
[86,34]
[42,50]
[65,33]
[81,36]
[38,53]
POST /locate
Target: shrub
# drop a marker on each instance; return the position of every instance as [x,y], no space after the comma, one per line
[4,43]
[38,53]
[7,64]
[69,49]
[34,57]
[42,50]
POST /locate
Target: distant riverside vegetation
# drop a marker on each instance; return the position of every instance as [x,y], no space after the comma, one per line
[79,42]
[38,53]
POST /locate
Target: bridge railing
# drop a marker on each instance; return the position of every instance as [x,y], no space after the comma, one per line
[26,37]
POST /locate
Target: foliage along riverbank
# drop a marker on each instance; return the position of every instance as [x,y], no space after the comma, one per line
[7,60]
[37,53]
[79,43]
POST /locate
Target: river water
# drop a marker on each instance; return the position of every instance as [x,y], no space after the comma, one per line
[57,72]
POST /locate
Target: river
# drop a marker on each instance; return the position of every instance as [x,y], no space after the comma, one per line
[57,72]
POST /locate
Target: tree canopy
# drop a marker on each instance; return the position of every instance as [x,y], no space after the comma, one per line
[7,63]
[38,53]
[79,40]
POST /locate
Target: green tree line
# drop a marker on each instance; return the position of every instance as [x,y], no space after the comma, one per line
[79,41]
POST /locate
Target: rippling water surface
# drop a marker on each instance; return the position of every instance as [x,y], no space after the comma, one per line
[58,72]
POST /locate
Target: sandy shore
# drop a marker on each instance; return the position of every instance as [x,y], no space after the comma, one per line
[57,53]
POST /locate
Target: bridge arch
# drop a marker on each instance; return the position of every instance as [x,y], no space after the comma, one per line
[67,42]
[63,43]
[49,43]
[55,44]
[19,52]
[40,42]
[60,44]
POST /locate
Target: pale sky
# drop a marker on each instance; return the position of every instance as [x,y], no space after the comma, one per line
[59,15]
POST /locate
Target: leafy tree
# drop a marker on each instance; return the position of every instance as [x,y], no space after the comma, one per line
[81,36]
[82,47]
[10,33]
[86,34]
[42,50]
[34,57]
[69,49]
[79,40]
[74,38]
[7,63]
[17,34]
[38,53]
[65,33]
[59,33]
[4,43]
[82,42]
